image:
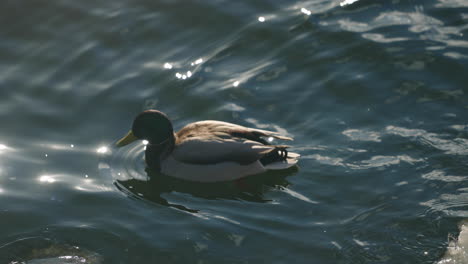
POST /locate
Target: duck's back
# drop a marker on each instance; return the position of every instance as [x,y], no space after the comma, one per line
[210,151]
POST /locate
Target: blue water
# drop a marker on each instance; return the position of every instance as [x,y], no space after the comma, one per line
[374,93]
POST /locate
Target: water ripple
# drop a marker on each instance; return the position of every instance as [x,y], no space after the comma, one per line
[362,135]
[452,3]
[455,205]
[440,175]
[373,90]
[418,22]
[378,161]
[457,146]
[384,161]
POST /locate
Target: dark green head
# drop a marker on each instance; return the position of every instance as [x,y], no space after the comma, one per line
[151,125]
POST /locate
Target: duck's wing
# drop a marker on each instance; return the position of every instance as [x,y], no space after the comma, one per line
[212,150]
[225,129]
[211,142]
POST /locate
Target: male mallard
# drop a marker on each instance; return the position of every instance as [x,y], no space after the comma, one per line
[207,151]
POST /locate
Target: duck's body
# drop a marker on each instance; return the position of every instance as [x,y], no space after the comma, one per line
[208,151]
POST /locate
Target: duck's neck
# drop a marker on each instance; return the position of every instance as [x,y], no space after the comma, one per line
[155,153]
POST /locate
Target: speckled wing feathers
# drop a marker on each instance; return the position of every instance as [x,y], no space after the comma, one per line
[211,142]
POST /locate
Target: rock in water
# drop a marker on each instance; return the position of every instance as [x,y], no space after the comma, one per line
[55,253]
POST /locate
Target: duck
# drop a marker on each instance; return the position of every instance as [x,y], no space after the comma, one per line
[209,150]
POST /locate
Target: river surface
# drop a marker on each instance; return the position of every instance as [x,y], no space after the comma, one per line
[374,93]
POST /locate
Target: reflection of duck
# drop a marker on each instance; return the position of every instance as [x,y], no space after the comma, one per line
[249,189]
[207,151]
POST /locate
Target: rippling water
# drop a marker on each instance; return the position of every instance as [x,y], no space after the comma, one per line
[374,93]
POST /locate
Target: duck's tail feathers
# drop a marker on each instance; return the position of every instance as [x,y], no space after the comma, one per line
[279,158]
[290,161]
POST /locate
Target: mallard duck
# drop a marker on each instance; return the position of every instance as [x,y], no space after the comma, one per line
[207,151]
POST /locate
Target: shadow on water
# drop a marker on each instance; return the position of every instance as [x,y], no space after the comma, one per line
[250,189]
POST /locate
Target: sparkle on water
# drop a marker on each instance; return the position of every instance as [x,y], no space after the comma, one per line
[372,91]
[102,149]
[47,179]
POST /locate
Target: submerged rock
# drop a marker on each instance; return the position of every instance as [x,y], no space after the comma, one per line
[55,253]
[57,260]
[457,251]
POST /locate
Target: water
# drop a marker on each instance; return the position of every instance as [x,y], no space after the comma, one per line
[374,93]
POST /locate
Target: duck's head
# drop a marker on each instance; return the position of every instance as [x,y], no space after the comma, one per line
[151,125]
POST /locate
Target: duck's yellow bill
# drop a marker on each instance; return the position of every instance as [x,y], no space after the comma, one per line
[129,138]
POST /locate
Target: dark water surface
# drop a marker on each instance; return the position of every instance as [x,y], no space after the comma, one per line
[374,92]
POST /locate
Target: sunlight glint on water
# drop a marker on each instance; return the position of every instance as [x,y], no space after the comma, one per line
[374,94]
